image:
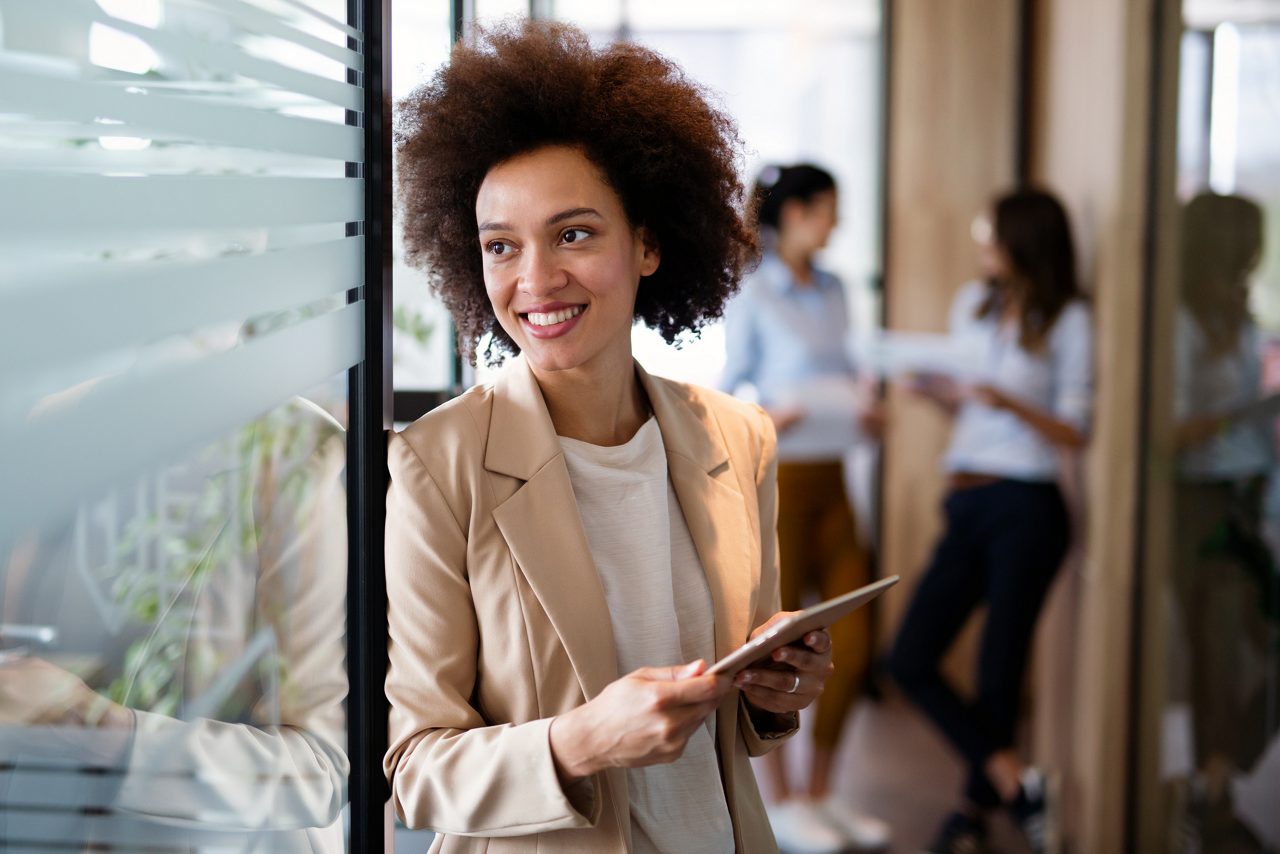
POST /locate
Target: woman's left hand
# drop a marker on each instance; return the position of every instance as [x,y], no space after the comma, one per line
[799,684]
[994,397]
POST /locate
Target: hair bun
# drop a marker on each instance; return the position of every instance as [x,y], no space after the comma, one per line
[769,176]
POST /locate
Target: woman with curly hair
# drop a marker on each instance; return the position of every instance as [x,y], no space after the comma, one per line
[568,546]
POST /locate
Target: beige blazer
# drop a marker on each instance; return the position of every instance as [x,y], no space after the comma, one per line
[498,621]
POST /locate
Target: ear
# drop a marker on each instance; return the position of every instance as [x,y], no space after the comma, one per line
[652,256]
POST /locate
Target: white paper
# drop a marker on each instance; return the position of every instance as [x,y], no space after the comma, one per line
[892,354]
[829,424]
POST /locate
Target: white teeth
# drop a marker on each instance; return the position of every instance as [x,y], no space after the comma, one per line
[538,318]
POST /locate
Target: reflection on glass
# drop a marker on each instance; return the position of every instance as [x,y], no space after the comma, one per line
[1224,578]
[1219,717]
[171,650]
[173,663]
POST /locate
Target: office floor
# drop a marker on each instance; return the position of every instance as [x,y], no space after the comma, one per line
[892,764]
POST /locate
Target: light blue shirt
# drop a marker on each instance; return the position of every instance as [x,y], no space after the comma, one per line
[783,337]
[780,334]
[1058,379]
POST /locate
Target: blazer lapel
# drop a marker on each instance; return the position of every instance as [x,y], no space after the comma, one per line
[543,528]
[714,508]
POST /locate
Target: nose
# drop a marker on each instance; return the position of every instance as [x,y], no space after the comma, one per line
[542,274]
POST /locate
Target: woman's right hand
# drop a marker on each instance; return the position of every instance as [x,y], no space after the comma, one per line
[784,417]
[644,718]
[939,388]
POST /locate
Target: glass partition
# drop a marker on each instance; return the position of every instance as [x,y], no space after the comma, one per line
[179,310]
[1209,697]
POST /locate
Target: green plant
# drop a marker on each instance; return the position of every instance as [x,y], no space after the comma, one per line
[258,488]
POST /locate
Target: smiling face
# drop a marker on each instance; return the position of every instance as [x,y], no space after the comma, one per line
[561,260]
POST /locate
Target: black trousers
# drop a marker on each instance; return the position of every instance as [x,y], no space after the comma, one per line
[1003,544]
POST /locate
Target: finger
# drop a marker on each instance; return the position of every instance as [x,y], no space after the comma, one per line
[673,673]
[693,715]
[819,641]
[802,659]
[699,689]
[765,626]
[782,681]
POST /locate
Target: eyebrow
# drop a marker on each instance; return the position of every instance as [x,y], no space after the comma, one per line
[552,220]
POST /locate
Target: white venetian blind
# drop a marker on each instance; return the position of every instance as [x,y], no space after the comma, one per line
[178,230]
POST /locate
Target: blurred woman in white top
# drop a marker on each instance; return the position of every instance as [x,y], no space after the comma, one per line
[1007,528]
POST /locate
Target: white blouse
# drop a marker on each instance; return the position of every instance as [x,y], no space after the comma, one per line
[1058,379]
[662,615]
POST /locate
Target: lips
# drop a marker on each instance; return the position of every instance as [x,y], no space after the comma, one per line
[553,320]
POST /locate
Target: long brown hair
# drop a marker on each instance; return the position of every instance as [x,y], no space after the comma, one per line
[1221,244]
[1032,228]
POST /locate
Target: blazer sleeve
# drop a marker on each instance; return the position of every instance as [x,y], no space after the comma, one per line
[762,730]
[449,769]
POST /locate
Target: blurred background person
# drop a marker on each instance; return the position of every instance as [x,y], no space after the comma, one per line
[1006,524]
[1224,575]
[786,334]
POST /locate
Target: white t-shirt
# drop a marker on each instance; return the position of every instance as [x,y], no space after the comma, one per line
[662,614]
[1057,379]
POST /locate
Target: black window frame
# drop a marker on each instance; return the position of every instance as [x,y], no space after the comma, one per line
[370,417]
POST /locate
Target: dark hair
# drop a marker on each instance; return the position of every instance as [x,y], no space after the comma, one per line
[1032,227]
[778,185]
[669,155]
[1221,245]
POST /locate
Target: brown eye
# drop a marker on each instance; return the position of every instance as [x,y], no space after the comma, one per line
[574,235]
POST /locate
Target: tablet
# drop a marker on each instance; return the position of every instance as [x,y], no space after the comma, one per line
[798,625]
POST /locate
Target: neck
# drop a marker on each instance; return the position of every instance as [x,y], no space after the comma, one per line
[798,260]
[1012,296]
[599,404]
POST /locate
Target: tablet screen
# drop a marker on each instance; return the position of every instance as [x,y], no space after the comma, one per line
[798,625]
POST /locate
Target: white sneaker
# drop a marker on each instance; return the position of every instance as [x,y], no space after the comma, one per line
[862,831]
[802,828]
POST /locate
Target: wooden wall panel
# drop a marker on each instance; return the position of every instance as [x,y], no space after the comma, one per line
[952,133]
[1088,142]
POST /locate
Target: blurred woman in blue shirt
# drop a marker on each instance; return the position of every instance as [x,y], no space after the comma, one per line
[786,335]
[1007,528]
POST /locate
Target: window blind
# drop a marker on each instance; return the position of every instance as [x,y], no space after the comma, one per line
[157,211]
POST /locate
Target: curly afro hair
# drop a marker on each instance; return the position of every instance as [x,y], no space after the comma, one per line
[670,156]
